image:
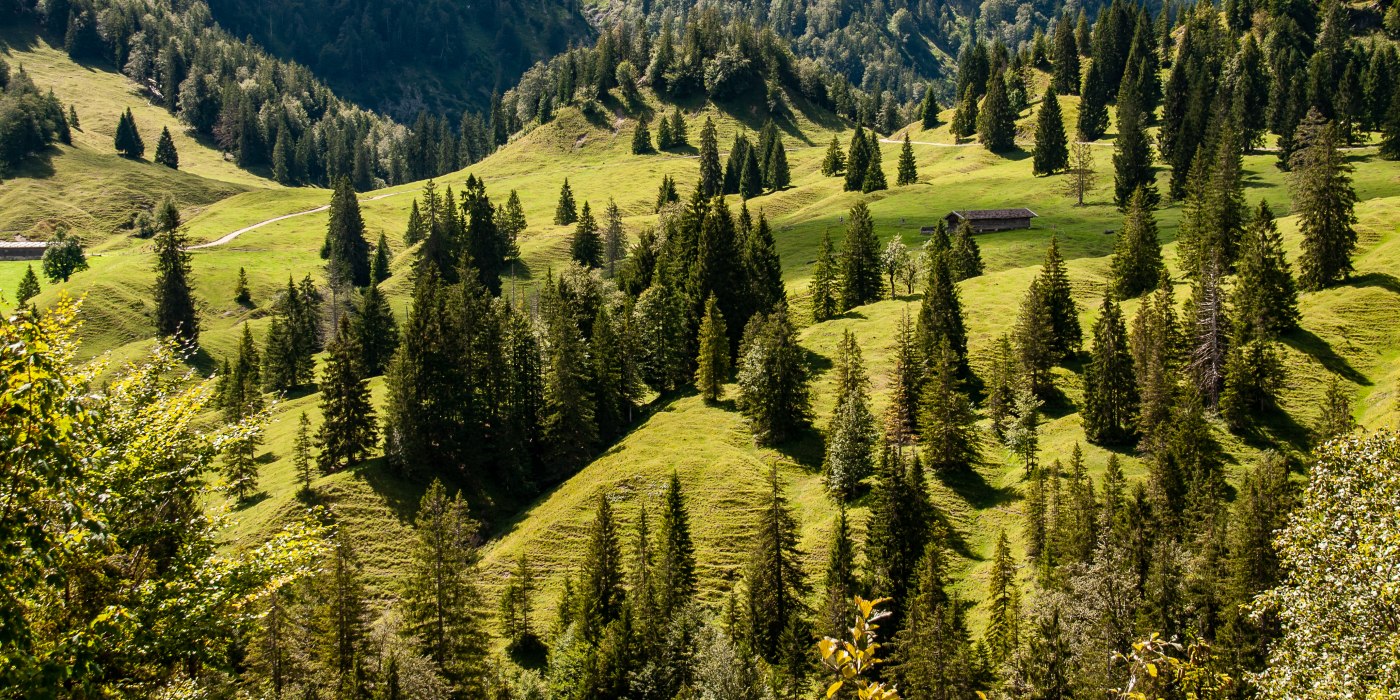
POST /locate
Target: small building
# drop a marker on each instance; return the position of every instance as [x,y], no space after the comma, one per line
[22,249]
[984,220]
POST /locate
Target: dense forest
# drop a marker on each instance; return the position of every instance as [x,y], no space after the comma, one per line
[1176,585]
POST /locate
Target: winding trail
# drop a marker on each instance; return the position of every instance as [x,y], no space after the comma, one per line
[229,237]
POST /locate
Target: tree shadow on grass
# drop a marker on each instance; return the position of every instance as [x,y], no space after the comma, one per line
[807,448]
[401,493]
[251,500]
[1275,427]
[971,486]
[1306,341]
[1384,280]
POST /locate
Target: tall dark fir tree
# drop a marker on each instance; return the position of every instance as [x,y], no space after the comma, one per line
[1051,152]
[175,313]
[348,431]
[345,248]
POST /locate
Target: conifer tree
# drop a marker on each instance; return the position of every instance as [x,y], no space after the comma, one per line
[664,140]
[1254,375]
[441,598]
[899,528]
[417,229]
[1034,338]
[763,268]
[1132,156]
[1264,298]
[874,169]
[241,293]
[675,566]
[28,286]
[1110,388]
[860,260]
[1001,385]
[1390,129]
[348,431]
[641,138]
[379,268]
[586,246]
[1066,335]
[933,659]
[301,454]
[345,248]
[600,595]
[839,583]
[1021,427]
[1155,343]
[965,117]
[734,165]
[1003,601]
[965,257]
[902,414]
[1051,152]
[940,315]
[165,151]
[850,436]
[996,123]
[773,379]
[835,161]
[1324,199]
[1137,253]
[1334,419]
[776,173]
[857,160]
[1209,335]
[1093,104]
[1065,75]
[569,425]
[241,395]
[711,182]
[947,424]
[175,313]
[775,585]
[826,290]
[908,167]
[128,139]
[667,193]
[565,212]
[929,108]
[712,366]
[283,160]
[341,613]
[376,331]
[678,134]
[751,177]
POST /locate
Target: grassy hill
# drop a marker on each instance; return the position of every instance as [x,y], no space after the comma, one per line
[1352,330]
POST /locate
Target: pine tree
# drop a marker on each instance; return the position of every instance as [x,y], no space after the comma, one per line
[835,161]
[1132,157]
[1065,75]
[283,160]
[1324,199]
[667,193]
[348,431]
[175,313]
[376,331]
[908,167]
[947,424]
[641,138]
[734,165]
[1110,388]
[902,415]
[1051,152]
[665,141]
[345,248]
[776,173]
[1334,419]
[996,123]
[1001,385]
[1021,427]
[775,584]
[940,315]
[1155,344]
[1390,129]
[165,151]
[773,379]
[675,567]
[565,212]
[839,583]
[965,257]
[586,247]
[678,134]
[28,286]
[1254,375]
[1137,253]
[850,436]
[569,425]
[1034,339]
[713,363]
[441,598]
[341,611]
[379,268]
[763,268]
[857,160]
[711,182]
[241,293]
[874,180]
[826,290]
[1093,104]
[932,656]
[417,229]
[1003,601]
[600,594]
[860,260]
[1264,298]
[965,117]
[1066,335]
[301,454]
[128,139]
[898,529]
[751,176]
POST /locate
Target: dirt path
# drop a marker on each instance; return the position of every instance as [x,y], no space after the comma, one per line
[226,238]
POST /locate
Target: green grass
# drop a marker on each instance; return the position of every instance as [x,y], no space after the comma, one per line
[1353,330]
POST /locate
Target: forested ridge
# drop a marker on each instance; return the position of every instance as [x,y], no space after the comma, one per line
[1053,463]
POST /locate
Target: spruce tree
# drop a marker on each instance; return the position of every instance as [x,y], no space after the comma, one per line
[776,173]
[965,257]
[128,139]
[773,379]
[1066,335]
[1254,374]
[965,117]
[665,141]
[1324,199]
[826,290]
[751,176]
[1051,152]
[947,423]
[1155,343]
[763,268]
[902,414]
[861,282]
[1334,418]
[775,585]
[341,615]
[1264,297]
[1209,334]
[929,108]
[379,268]
[241,293]
[345,248]
[441,600]
[1003,603]
[565,212]
[667,193]
[711,180]
[283,161]
[1390,130]
[675,566]
[165,150]
[175,313]
[940,315]
[734,165]
[839,582]
[614,238]
[908,167]
[678,133]
[712,366]
[1034,333]
[874,180]
[348,432]
[850,436]
[932,655]
[1093,105]
[28,286]
[1110,388]
[835,161]
[376,331]
[570,427]
[996,123]
[900,525]
[586,246]
[857,160]
[641,138]
[1137,253]
[600,596]
[417,230]
[1065,75]
[1132,156]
